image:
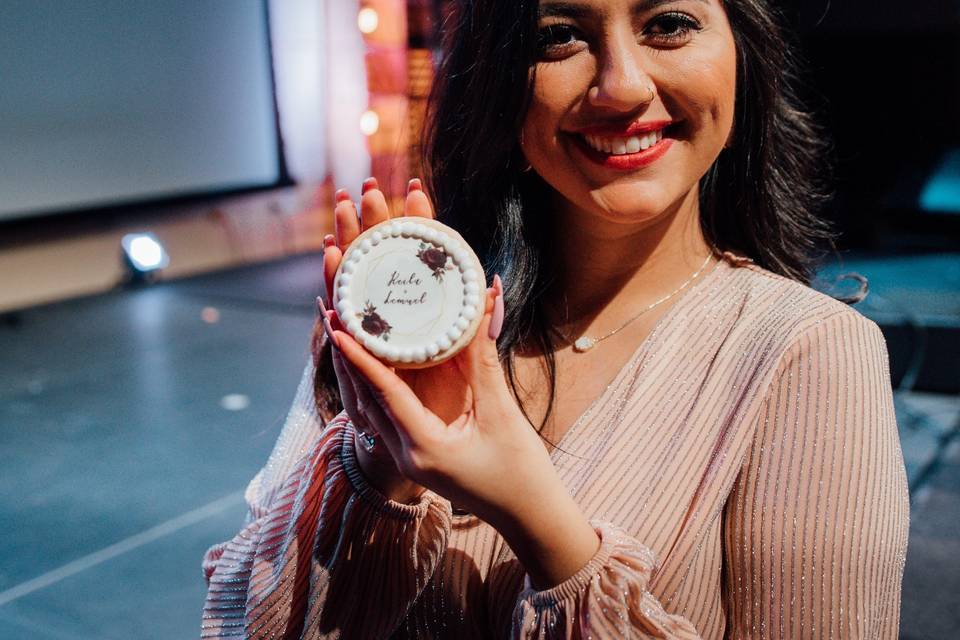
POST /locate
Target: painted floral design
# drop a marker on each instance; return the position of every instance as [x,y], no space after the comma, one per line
[435,258]
[373,323]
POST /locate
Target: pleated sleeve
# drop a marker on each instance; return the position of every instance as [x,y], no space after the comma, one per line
[326,556]
[607,598]
[815,531]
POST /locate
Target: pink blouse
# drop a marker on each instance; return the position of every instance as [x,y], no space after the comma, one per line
[743,471]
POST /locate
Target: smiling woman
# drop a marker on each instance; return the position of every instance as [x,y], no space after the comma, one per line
[610,74]
[660,430]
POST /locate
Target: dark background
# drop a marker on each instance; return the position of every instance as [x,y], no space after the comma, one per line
[885,77]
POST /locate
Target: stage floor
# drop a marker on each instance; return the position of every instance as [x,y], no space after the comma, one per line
[131,422]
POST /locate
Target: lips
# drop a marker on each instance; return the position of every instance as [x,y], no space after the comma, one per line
[619,146]
[625,148]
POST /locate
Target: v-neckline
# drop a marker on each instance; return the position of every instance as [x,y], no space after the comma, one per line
[463,520]
[661,324]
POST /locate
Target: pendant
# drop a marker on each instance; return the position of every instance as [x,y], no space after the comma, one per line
[584,343]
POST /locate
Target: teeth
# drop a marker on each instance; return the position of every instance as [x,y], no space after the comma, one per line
[622,146]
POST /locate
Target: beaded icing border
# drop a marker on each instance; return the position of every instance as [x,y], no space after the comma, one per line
[461,258]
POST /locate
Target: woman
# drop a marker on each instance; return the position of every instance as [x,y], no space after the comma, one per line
[676,438]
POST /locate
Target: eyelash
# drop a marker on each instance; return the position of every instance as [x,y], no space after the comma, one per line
[686,24]
[553,41]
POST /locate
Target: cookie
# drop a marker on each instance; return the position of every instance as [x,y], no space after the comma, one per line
[411,291]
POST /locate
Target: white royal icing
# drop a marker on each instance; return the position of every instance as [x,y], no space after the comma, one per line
[408,291]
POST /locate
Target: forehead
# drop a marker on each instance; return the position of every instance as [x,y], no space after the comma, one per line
[584,8]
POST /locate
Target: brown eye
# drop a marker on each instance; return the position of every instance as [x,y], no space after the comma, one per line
[558,40]
[671,28]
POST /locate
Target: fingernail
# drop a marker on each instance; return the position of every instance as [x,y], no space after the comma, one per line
[329,241]
[369,183]
[498,284]
[496,320]
[414,185]
[341,195]
[325,318]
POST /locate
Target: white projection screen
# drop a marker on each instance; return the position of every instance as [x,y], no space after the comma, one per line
[110,102]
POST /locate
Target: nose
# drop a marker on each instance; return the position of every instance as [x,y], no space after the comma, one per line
[621,84]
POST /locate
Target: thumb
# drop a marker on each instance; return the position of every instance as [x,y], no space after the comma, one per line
[480,362]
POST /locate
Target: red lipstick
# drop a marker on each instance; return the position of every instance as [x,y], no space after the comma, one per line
[627,161]
[622,131]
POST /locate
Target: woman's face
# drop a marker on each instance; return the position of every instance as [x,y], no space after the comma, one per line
[609,72]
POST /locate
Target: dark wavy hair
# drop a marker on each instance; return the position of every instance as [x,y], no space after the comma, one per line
[760,198]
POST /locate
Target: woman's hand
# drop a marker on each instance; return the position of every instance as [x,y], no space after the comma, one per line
[447,402]
[456,429]
[378,466]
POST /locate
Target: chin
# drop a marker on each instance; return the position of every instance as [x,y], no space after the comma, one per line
[630,204]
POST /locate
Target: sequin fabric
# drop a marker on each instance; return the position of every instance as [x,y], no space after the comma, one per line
[743,471]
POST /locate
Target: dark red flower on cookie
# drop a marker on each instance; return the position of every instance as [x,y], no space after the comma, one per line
[435,258]
[373,323]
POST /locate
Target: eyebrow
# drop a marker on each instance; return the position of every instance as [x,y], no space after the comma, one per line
[575,10]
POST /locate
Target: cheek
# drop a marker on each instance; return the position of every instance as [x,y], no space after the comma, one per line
[698,81]
[709,83]
[557,90]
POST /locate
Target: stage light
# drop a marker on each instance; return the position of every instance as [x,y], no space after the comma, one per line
[143,256]
[941,193]
[368,20]
[369,122]
[235,402]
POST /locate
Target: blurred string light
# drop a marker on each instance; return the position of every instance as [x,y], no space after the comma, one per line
[320,78]
[143,256]
[368,20]
[369,122]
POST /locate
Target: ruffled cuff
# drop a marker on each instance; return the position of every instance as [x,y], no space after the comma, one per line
[376,500]
[607,598]
[326,548]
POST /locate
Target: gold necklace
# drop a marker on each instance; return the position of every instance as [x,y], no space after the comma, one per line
[584,343]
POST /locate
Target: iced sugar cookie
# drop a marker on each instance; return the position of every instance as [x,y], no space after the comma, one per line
[411,291]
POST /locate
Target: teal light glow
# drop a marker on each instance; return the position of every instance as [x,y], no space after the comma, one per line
[941,194]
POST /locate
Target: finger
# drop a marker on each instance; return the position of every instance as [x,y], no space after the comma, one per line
[496,320]
[348,395]
[480,361]
[363,406]
[335,321]
[371,410]
[396,398]
[346,223]
[417,203]
[373,208]
[340,195]
[325,319]
[332,255]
